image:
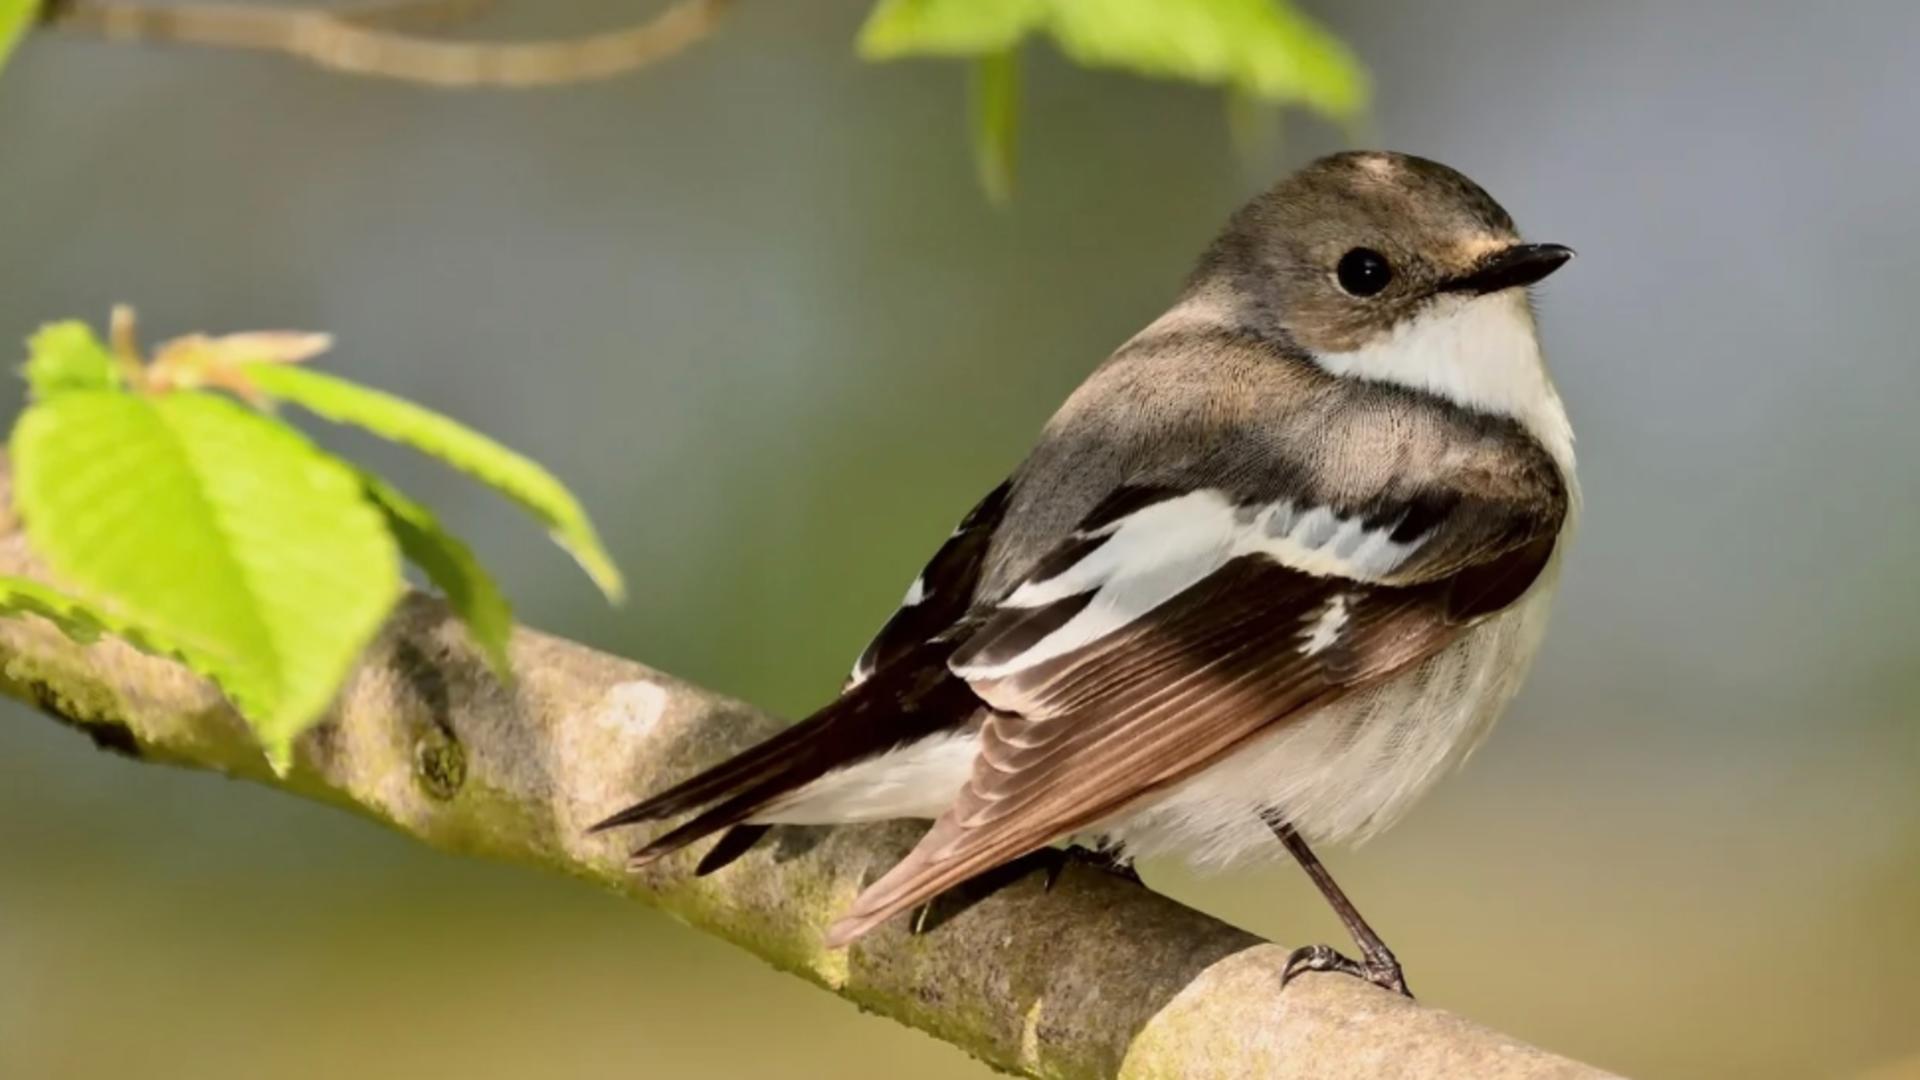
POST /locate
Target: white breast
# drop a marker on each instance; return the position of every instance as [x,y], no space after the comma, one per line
[1346,771]
[1479,351]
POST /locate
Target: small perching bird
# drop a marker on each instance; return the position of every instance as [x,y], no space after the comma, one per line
[1271,570]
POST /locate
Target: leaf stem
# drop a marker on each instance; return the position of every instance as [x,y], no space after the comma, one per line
[123,337]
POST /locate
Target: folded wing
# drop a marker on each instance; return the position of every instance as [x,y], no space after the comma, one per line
[1175,624]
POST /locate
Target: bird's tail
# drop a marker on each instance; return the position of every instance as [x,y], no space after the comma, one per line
[908,700]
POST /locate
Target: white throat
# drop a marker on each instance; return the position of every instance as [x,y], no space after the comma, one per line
[1477,351]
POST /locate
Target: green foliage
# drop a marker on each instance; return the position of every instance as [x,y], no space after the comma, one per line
[513,475]
[952,28]
[16,18]
[18,596]
[220,531]
[996,119]
[67,356]
[82,621]
[1261,50]
[450,564]
[1264,48]
[195,526]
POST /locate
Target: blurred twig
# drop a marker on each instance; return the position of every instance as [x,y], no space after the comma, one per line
[1096,977]
[368,39]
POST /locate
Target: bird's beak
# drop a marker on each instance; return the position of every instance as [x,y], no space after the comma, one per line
[1514,267]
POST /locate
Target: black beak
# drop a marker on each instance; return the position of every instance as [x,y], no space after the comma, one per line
[1517,266]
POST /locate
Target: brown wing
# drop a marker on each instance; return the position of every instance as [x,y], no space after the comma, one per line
[1081,736]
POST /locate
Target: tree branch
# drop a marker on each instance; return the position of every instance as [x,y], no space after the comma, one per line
[1097,977]
[364,39]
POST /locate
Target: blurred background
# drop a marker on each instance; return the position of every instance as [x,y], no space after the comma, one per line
[752,305]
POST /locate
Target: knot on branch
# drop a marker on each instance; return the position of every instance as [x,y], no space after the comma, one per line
[439,763]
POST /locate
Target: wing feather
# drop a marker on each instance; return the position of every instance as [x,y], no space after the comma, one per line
[1254,632]
[944,591]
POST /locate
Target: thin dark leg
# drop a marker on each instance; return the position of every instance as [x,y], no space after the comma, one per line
[1377,964]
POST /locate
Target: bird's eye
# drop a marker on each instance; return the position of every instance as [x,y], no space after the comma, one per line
[1363,272]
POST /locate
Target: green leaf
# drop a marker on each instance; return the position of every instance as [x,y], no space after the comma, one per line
[450,565]
[517,477]
[1265,48]
[223,534]
[18,596]
[16,18]
[78,619]
[81,621]
[899,28]
[996,122]
[67,356]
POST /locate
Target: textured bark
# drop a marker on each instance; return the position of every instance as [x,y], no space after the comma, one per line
[1097,977]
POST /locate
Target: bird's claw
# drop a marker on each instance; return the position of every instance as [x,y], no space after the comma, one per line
[1050,862]
[1103,859]
[1382,970]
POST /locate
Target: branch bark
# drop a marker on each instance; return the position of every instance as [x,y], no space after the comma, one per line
[1096,978]
[367,39]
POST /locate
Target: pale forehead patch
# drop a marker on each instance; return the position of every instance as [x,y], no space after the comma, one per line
[1476,246]
[1379,166]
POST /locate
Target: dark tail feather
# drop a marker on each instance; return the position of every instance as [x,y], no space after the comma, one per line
[908,700]
[734,843]
[704,824]
[730,775]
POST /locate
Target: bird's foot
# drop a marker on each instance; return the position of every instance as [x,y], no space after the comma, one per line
[1049,862]
[1379,968]
[1100,859]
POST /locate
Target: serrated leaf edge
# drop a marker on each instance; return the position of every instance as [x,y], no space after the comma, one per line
[566,519]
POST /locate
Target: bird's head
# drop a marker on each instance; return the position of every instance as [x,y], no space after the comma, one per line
[1357,246]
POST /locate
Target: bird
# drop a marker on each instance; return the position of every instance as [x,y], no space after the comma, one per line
[1275,567]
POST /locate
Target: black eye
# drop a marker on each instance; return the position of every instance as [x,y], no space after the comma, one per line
[1363,272]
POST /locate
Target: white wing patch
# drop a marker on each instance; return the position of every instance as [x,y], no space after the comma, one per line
[1157,552]
[1322,628]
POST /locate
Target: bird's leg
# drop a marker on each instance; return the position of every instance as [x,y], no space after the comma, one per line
[1376,965]
[1050,862]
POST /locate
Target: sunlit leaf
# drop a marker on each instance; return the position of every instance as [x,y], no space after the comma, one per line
[513,475]
[16,18]
[81,621]
[450,564]
[18,596]
[996,121]
[224,535]
[947,27]
[67,356]
[1265,48]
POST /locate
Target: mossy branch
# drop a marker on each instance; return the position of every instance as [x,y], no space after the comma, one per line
[1097,977]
